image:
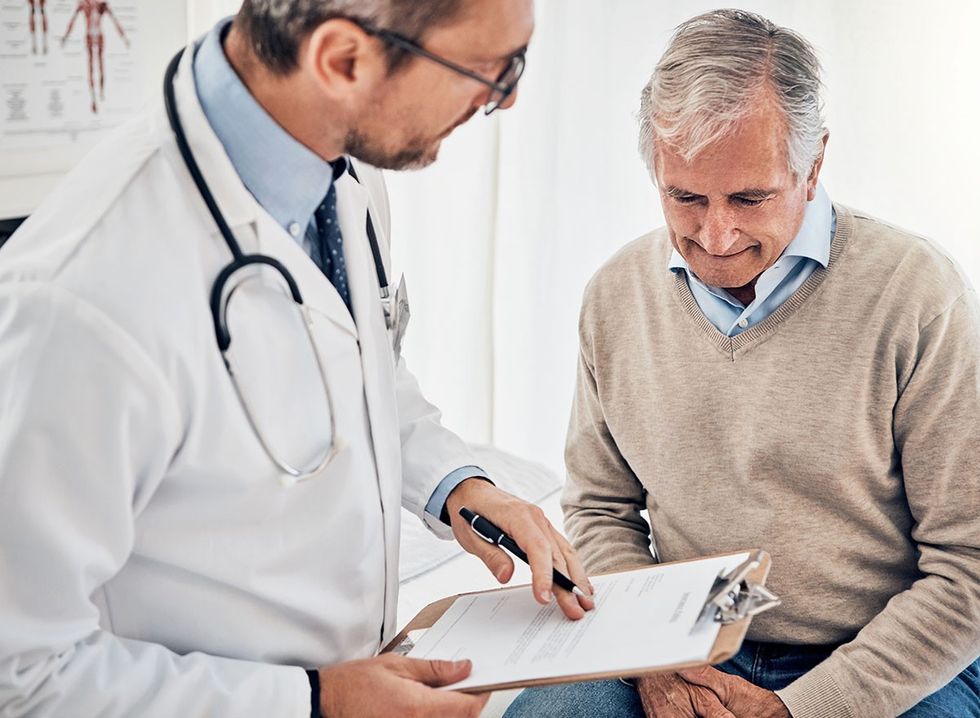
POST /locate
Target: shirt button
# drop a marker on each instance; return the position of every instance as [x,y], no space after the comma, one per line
[294,229]
[743,323]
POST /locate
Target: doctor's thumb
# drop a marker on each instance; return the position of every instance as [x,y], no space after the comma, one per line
[438,673]
[499,563]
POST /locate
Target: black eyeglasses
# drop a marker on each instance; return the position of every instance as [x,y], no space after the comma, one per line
[500,88]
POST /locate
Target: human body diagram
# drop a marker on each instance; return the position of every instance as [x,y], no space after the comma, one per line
[37,7]
[94,10]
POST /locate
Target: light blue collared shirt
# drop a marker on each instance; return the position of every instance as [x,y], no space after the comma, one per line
[808,250]
[288,180]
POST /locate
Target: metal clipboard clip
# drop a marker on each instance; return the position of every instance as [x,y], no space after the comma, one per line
[733,598]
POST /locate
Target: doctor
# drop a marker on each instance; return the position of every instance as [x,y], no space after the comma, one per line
[205,433]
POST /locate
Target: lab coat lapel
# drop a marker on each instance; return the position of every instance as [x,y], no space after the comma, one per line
[236,203]
[377,365]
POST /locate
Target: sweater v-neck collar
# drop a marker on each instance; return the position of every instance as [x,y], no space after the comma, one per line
[730,346]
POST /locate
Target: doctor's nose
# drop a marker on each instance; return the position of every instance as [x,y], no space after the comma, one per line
[509,100]
[718,234]
[491,97]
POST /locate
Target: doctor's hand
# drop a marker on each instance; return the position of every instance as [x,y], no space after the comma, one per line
[391,685]
[545,547]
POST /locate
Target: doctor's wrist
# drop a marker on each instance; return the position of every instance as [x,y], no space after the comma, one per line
[314,677]
[446,513]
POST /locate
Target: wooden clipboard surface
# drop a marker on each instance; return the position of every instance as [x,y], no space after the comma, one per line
[726,645]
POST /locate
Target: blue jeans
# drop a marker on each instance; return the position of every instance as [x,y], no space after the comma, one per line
[767,665]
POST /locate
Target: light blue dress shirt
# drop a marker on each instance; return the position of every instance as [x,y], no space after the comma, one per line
[808,250]
[288,180]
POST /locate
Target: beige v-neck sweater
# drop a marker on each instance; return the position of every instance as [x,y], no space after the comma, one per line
[841,434]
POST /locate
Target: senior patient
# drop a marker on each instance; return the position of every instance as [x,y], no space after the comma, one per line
[775,370]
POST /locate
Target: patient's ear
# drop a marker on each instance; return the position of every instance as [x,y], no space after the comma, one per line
[811,181]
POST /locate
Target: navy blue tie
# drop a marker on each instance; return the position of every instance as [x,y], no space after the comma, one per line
[327,245]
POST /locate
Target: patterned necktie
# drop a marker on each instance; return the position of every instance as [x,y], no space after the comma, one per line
[327,245]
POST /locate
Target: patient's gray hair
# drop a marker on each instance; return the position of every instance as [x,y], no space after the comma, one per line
[275,28]
[712,71]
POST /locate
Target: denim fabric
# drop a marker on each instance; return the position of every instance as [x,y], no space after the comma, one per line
[598,699]
[771,666]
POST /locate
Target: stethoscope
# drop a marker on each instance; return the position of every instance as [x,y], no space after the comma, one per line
[220,300]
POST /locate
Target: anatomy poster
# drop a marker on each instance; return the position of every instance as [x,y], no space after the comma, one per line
[68,70]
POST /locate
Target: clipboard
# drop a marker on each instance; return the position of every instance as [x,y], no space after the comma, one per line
[732,601]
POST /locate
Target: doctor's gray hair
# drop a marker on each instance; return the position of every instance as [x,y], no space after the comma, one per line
[712,72]
[276,28]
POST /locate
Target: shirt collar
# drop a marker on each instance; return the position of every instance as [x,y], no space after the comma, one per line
[811,242]
[288,180]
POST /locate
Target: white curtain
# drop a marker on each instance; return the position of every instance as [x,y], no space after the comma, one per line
[499,237]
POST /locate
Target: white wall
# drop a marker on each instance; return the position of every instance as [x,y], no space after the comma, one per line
[202,14]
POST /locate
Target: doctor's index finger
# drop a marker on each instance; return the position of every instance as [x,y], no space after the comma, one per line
[547,552]
[576,570]
[573,605]
[535,541]
[540,558]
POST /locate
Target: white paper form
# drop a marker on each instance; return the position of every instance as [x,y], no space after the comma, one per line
[642,619]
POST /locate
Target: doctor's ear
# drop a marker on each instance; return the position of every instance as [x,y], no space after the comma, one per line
[343,59]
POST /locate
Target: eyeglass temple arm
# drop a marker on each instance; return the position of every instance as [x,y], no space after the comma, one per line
[406,44]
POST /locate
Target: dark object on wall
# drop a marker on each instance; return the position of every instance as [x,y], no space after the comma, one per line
[8,227]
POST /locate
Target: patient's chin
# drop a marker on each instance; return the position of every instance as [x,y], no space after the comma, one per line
[724,279]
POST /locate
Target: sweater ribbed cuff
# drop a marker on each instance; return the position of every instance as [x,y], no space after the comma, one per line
[815,695]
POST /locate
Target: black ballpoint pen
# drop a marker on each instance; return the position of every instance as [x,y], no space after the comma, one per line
[488,531]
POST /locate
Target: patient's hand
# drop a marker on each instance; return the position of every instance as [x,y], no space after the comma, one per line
[708,693]
[545,547]
[667,695]
[391,685]
[741,698]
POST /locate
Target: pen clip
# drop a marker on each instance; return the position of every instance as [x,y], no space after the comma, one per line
[488,539]
[473,519]
[477,531]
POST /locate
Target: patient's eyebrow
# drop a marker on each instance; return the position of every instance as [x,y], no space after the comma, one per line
[750,193]
[672,191]
[754,193]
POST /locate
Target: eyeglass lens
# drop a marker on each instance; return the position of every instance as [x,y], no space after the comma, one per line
[507,80]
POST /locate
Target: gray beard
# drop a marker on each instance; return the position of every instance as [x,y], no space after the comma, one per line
[410,157]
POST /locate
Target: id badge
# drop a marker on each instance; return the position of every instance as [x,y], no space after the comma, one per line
[401,313]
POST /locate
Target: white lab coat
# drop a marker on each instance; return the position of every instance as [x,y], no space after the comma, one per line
[152,563]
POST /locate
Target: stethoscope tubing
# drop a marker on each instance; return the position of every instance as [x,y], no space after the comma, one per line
[239,258]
